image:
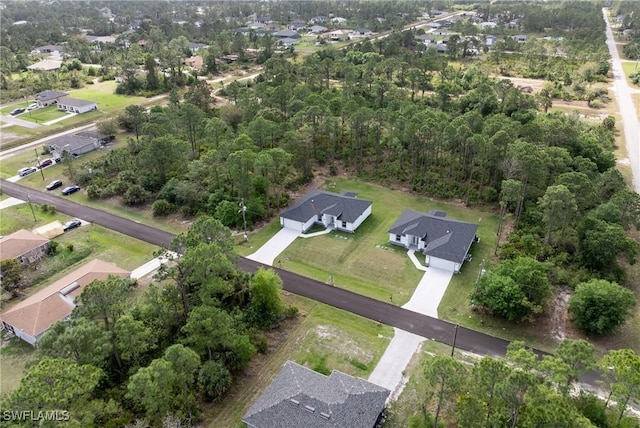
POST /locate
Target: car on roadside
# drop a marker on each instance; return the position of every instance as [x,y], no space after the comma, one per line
[71,189]
[26,171]
[71,224]
[17,111]
[45,163]
[54,184]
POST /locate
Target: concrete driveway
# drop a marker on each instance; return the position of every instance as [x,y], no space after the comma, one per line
[429,292]
[274,246]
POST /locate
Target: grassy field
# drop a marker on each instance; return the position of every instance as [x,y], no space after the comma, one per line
[104,94]
[322,338]
[628,68]
[14,354]
[44,114]
[365,262]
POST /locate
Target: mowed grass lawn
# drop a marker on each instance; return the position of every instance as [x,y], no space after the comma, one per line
[365,262]
[104,94]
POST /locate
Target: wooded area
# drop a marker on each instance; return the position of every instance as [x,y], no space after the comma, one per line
[390,110]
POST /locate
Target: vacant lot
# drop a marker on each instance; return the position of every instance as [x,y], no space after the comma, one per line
[322,338]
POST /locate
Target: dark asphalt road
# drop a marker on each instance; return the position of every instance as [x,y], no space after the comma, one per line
[422,325]
[431,328]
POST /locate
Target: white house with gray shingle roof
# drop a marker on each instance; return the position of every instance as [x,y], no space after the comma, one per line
[302,398]
[343,212]
[444,242]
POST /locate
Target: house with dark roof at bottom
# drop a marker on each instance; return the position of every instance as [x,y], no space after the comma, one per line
[302,398]
[343,212]
[24,246]
[49,97]
[32,317]
[444,242]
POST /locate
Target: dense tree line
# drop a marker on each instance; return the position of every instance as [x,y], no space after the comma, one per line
[183,342]
[528,391]
[389,111]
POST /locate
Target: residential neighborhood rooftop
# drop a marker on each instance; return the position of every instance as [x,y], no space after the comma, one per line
[345,207]
[301,398]
[19,243]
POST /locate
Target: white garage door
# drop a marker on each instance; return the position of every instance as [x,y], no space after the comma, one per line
[292,224]
[441,264]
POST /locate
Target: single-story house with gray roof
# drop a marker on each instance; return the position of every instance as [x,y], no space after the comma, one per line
[73,105]
[343,212]
[444,242]
[49,97]
[76,144]
[302,398]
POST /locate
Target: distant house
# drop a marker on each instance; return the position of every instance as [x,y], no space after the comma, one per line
[441,48]
[520,38]
[73,105]
[317,29]
[490,40]
[50,49]
[286,34]
[332,210]
[49,97]
[489,24]
[77,144]
[434,25]
[32,317]
[361,32]
[444,242]
[338,35]
[45,65]
[195,62]
[24,246]
[287,42]
[338,20]
[195,47]
[300,397]
[297,25]
[319,19]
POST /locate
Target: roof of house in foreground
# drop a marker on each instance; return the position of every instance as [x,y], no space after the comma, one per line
[446,238]
[40,311]
[345,207]
[19,243]
[300,397]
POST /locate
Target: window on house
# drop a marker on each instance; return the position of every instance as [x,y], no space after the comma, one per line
[398,238]
[344,224]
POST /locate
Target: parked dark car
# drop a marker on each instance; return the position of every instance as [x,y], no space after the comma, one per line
[17,111]
[71,189]
[71,224]
[46,162]
[54,185]
[26,171]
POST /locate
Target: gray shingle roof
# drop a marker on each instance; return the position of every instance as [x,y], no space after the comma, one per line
[49,95]
[344,207]
[446,238]
[74,102]
[302,398]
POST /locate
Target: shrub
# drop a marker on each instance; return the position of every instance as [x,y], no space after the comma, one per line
[53,248]
[70,247]
[162,207]
[135,195]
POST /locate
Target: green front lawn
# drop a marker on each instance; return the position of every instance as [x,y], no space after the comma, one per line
[41,115]
[104,94]
[365,262]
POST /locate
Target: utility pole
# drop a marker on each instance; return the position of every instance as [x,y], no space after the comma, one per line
[455,337]
[481,272]
[38,160]
[31,206]
[243,210]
